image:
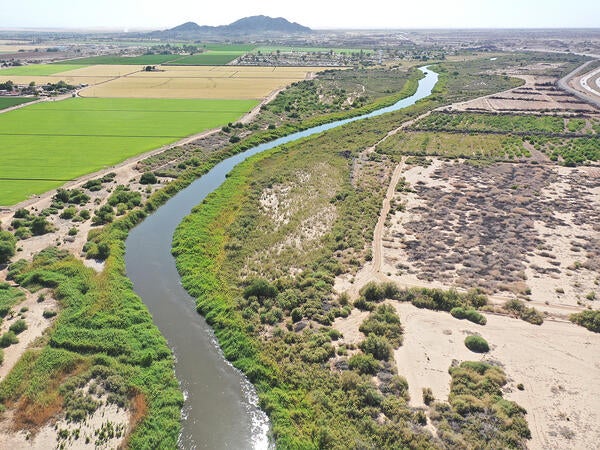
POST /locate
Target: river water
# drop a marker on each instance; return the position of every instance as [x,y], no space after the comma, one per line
[221,407]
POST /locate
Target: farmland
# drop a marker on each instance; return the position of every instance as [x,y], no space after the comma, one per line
[201,82]
[124,60]
[7,102]
[95,133]
[38,69]
[210,58]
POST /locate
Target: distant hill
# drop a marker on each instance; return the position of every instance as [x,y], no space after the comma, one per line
[246,26]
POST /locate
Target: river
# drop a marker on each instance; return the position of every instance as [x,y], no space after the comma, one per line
[221,407]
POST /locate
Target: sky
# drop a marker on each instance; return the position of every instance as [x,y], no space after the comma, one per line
[317,14]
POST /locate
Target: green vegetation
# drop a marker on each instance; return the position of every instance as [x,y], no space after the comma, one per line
[210,58]
[492,136]
[477,344]
[40,69]
[9,297]
[488,147]
[506,123]
[589,319]
[7,246]
[570,152]
[111,130]
[7,102]
[477,416]
[469,314]
[384,322]
[526,313]
[230,240]
[103,333]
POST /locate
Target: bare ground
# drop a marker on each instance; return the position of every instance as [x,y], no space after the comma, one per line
[556,363]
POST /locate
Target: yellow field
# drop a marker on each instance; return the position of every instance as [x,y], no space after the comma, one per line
[14,48]
[201,82]
[198,82]
[101,71]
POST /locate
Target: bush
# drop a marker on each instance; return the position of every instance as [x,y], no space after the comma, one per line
[261,289]
[377,346]
[18,327]
[477,344]
[428,397]
[469,314]
[48,314]
[148,178]
[384,322]
[7,339]
[8,244]
[364,364]
[587,319]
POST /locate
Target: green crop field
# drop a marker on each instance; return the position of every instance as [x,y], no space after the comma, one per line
[240,48]
[48,143]
[7,102]
[209,58]
[124,60]
[39,69]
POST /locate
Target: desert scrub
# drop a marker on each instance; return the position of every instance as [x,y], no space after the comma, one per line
[476,415]
[588,319]
[469,314]
[526,313]
[384,322]
[477,344]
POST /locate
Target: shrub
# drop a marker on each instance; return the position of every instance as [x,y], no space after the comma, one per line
[377,346]
[48,314]
[68,213]
[8,244]
[384,321]
[148,178]
[428,397]
[18,327]
[477,344]
[8,338]
[587,319]
[364,364]
[261,289]
[469,314]
[40,226]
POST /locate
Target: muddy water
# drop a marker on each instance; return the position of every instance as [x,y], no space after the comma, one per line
[220,409]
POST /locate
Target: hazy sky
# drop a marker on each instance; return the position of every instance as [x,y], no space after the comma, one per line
[161,14]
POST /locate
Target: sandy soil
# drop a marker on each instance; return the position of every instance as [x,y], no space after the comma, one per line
[348,326]
[557,363]
[36,324]
[105,418]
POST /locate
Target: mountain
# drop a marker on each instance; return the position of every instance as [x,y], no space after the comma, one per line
[188,27]
[265,24]
[247,26]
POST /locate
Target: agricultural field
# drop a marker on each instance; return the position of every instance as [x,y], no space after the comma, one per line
[37,69]
[487,147]
[7,102]
[95,133]
[124,60]
[210,58]
[201,82]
